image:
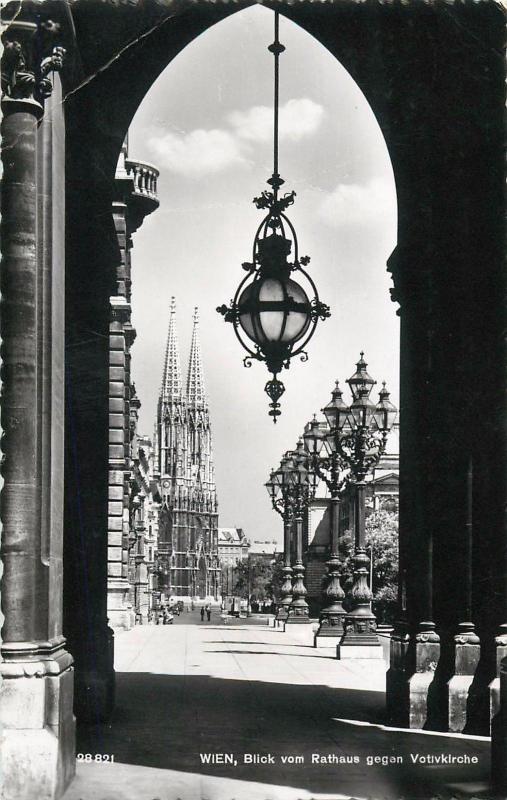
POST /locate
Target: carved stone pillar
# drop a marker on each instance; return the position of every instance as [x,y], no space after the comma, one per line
[499,724]
[467,645]
[415,645]
[494,686]
[36,669]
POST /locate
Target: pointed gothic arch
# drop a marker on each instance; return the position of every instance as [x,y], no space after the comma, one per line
[433,147]
[434,77]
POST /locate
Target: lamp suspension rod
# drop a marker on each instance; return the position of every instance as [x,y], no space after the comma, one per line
[276,48]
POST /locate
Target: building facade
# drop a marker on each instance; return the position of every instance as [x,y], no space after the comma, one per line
[188,560]
[143,525]
[135,197]
[233,547]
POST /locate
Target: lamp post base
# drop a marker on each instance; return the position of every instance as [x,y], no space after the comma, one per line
[331,620]
[281,615]
[292,619]
[298,610]
[326,641]
[359,638]
[347,651]
[330,630]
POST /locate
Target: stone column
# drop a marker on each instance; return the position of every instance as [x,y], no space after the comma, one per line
[415,644]
[467,646]
[36,669]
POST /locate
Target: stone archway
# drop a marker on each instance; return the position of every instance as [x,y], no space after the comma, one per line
[444,132]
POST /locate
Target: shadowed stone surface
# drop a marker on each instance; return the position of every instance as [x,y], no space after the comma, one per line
[186,690]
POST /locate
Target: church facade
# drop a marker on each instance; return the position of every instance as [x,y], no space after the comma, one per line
[188,564]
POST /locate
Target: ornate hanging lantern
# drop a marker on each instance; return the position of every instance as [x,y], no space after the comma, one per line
[273,316]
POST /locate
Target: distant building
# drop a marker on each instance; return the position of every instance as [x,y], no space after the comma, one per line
[187,554]
[233,547]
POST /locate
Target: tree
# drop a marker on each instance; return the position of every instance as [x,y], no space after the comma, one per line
[256,576]
[382,545]
[277,577]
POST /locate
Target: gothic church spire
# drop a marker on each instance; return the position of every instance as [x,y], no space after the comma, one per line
[196,392]
[172,385]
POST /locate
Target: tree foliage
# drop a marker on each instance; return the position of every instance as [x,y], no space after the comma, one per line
[256,576]
[382,544]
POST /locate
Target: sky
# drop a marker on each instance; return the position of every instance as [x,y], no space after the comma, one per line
[206,123]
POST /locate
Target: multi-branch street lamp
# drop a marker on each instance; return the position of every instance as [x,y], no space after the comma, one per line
[291,488]
[303,489]
[279,488]
[360,433]
[272,315]
[321,443]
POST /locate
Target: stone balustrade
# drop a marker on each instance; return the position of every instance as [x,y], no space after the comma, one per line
[145,178]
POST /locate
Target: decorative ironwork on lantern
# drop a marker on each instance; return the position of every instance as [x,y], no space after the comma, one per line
[273,316]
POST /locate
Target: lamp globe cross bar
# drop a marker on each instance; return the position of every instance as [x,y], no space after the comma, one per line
[361,443]
[273,316]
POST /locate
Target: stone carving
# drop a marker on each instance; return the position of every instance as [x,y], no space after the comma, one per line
[29,56]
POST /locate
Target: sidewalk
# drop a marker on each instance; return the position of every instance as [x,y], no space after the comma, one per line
[187,694]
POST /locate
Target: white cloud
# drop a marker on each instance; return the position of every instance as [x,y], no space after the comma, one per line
[353,204]
[205,152]
[200,152]
[297,119]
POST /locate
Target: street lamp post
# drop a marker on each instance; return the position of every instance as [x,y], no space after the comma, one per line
[329,468]
[273,315]
[302,492]
[363,429]
[279,488]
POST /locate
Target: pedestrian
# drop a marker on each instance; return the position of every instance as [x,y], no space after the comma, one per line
[202,613]
[208,612]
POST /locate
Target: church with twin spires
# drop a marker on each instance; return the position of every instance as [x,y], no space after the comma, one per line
[188,522]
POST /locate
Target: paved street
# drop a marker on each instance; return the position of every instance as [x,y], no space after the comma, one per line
[186,692]
[194,618]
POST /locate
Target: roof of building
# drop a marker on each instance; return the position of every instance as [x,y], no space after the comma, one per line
[196,390]
[172,384]
[232,536]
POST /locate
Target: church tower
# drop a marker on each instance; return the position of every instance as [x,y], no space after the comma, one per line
[188,526]
[203,498]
